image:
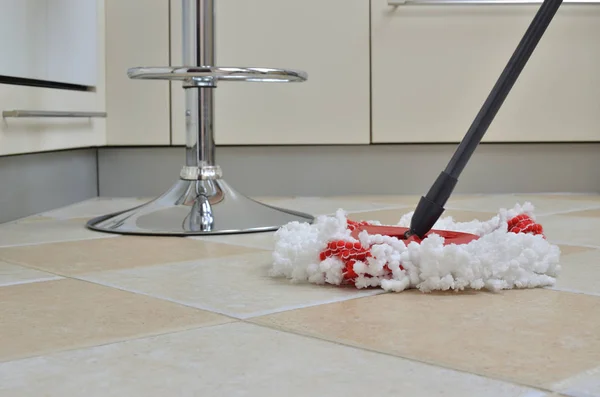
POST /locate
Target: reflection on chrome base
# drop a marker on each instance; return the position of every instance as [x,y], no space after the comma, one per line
[201,207]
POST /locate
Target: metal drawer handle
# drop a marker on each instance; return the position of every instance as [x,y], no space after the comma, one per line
[45,113]
[478,2]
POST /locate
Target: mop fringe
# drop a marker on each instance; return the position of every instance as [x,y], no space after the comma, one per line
[511,252]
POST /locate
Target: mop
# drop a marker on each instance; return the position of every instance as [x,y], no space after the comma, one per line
[425,251]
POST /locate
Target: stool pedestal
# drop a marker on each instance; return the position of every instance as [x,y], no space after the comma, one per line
[201,202]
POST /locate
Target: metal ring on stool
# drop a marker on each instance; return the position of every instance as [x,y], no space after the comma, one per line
[207,76]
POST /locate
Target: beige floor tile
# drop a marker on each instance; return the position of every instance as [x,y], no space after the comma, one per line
[463,196]
[542,204]
[31,219]
[382,200]
[238,360]
[572,230]
[264,240]
[323,206]
[399,200]
[271,199]
[81,257]
[96,207]
[40,232]
[80,220]
[580,273]
[535,337]
[39,318]
[392,216]
[572,249]
[584,214]
[12,275]
[573,196]
[238,286]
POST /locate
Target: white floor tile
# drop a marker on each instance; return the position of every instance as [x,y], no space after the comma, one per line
[543,206]
[238,286]
[237,360]
[13,274]
[586,384]
[264,240]
[322,206]
[572,230]
[95,207]
[47,231]
[580,273]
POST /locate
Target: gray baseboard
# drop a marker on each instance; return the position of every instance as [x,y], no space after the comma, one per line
[344,170]
[33,183]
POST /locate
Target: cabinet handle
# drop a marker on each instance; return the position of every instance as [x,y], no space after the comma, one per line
[479,2]
[45,113]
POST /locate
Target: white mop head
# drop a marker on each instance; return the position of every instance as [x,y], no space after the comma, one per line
[499,259]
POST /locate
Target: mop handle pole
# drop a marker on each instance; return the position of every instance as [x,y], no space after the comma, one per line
[431,206]
[505,82]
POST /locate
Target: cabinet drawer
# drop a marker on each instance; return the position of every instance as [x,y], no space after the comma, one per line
[327,39]
[50,40]
[434,65]
[34,134]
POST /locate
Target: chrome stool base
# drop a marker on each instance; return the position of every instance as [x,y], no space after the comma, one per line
[201,202]
[196,208]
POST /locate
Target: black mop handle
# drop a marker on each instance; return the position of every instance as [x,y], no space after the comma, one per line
[431,206]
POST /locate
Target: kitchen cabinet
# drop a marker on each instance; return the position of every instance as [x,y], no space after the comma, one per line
[137,35]
[434,65]
[50,40]
[327,39]
[53,61]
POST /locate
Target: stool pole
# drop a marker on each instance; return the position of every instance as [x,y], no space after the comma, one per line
[199,50]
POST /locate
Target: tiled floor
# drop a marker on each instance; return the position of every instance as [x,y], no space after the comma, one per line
[89,314]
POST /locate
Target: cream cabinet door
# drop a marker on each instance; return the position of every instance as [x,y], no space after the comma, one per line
[137,35]
[434,65]
[34,133]
[327,39]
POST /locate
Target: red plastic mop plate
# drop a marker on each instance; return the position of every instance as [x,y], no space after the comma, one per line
[450,237]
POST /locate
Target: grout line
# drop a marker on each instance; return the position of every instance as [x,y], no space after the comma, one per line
[384,208]
[572,291]
[29,266]
[566,388]
[62,208]
[237,244]
[562,242]
[109,235]
[131,291]
[116,342]
[564,212]
[45,213]
[283,309]
[31,281]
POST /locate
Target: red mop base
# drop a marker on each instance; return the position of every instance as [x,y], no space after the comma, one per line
[350,253]
[450,237]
